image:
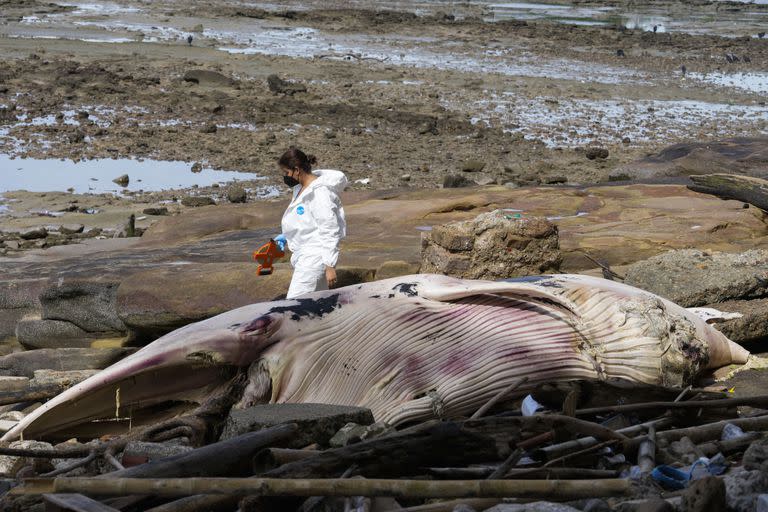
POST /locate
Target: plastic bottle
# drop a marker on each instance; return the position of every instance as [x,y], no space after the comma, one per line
[700,469]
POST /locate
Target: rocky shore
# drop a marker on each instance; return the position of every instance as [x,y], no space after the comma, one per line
[478,143]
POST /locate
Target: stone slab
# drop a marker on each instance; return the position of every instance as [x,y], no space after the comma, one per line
[12,384]
[693,277]
[317,422]
[53,334]
[87,304]
[63,359]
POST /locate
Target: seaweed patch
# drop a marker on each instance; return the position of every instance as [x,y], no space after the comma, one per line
[408,289]
[310,308]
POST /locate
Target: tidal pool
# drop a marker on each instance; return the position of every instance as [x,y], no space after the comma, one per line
[95,176]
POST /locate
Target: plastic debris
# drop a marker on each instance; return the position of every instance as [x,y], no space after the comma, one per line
[530,406]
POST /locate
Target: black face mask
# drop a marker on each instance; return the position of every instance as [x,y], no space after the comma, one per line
[291,182]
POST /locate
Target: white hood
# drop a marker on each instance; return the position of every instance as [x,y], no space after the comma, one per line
[334,180]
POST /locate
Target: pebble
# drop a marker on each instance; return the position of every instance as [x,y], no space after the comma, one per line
[595,152]
[122,180]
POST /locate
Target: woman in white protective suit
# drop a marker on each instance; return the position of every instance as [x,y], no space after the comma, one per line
[313,224]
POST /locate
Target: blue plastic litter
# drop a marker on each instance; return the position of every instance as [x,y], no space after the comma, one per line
[673,478]
[669,477]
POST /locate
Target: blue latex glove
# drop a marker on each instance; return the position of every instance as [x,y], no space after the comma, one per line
[280,241]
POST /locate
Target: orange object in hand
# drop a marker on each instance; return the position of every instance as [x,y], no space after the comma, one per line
[265,256]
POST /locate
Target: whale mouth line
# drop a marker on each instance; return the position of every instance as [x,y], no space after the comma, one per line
[119,404]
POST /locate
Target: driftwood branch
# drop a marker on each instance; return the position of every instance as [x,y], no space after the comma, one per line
[505,466]
[75,503]
[578,453]
[551,489]
[74,465]
[729,445]
[546,422]
[701,433]
[754,401]
[271,458]
[548,473]
[429,444]
[109,456]
[230,457]
[557,450]
[731,186]
[499,396]
[435,442]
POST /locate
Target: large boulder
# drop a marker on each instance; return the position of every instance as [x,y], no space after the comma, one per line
[756,456]
[35,333]
[208,78]
[18,299]
[317,422]
[25,363]
[753,324]
[494,245]
[742,488]
[89,305]
[692,277]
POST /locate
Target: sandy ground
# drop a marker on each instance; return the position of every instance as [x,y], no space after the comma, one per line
[394,98]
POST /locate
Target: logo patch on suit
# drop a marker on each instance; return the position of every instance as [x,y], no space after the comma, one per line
[300,209]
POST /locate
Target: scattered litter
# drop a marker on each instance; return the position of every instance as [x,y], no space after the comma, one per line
[364,181]
[731,431]
[560,217]
[529,407]
[46,213]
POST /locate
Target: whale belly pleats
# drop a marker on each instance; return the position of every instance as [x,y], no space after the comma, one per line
[419,358]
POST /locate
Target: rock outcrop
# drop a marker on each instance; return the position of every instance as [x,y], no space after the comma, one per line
[691,277]
[494,245]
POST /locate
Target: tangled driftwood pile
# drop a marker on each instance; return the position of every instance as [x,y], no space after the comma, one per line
[605,452]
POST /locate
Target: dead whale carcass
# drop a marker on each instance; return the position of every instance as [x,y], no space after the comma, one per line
[409,348]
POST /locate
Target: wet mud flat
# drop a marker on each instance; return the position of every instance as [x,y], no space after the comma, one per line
[385,93]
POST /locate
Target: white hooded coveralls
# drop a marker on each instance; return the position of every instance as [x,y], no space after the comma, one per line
[313,226]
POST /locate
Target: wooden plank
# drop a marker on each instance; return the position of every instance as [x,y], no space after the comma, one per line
[74,503]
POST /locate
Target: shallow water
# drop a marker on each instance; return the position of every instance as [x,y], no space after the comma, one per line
[95,176]
[753,82]
[562,122]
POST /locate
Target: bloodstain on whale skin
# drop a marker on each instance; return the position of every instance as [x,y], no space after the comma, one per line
[259,324]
